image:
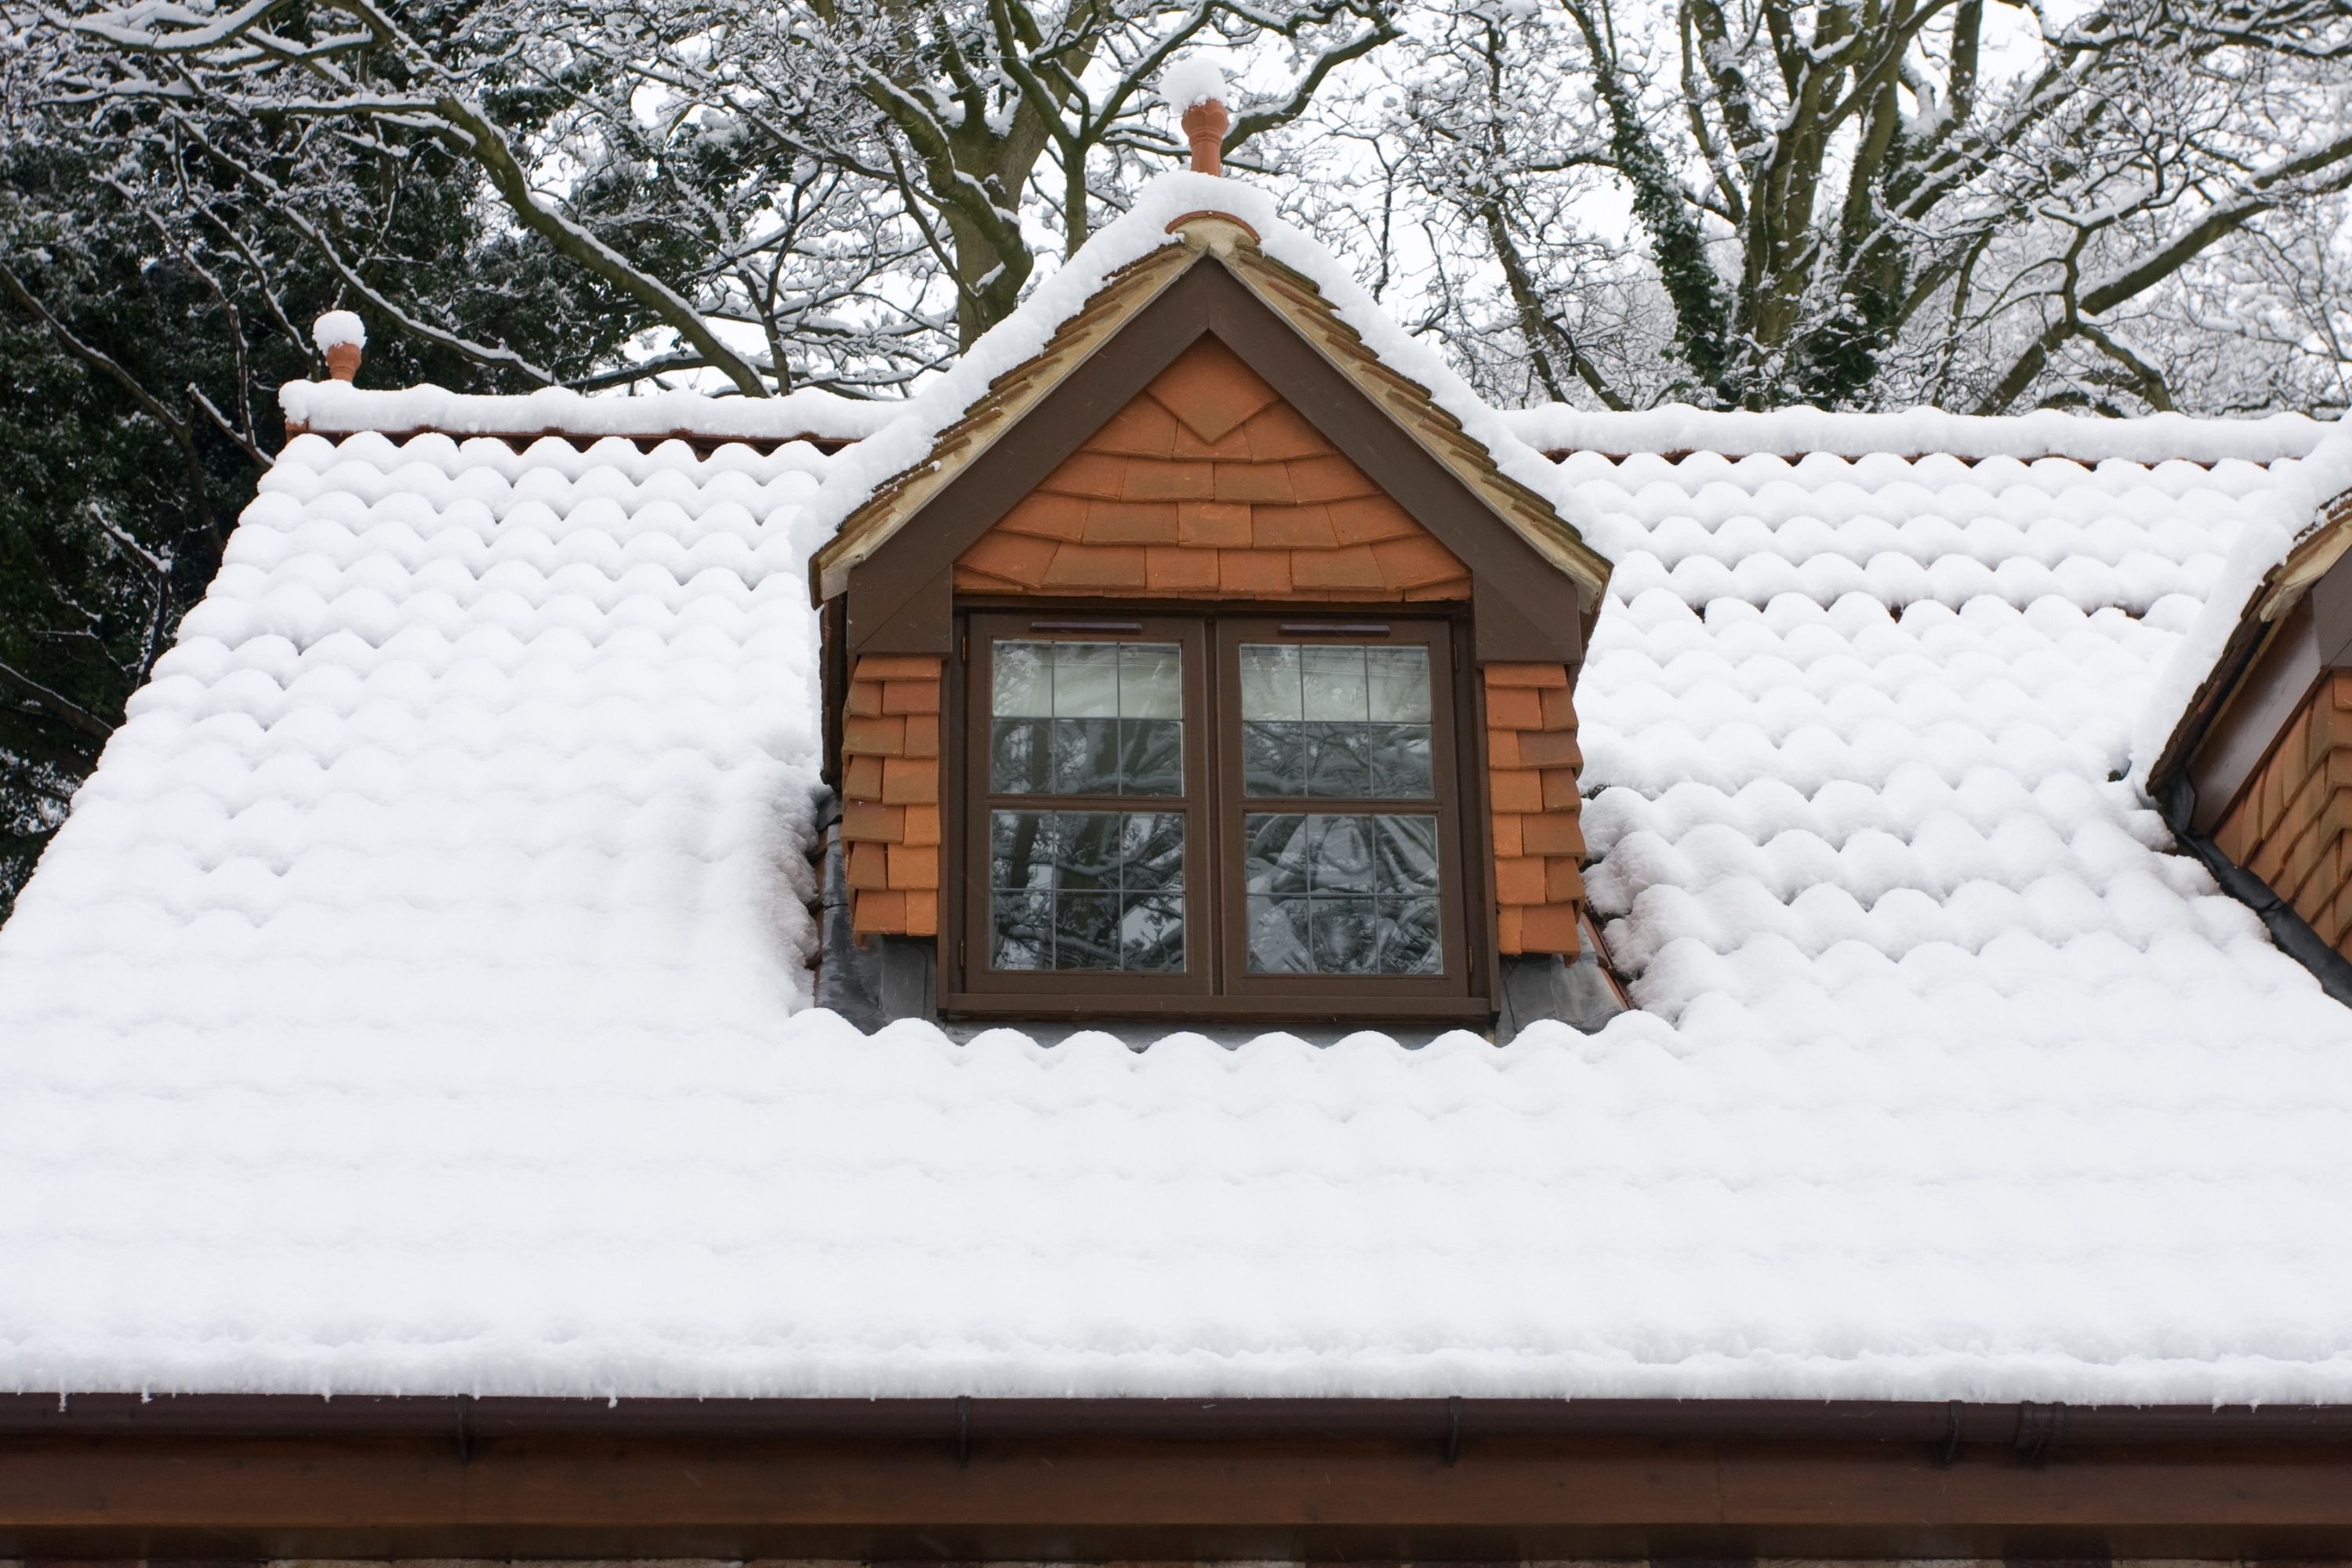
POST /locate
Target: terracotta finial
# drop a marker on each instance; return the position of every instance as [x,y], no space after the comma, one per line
[340,337]
[1205,124]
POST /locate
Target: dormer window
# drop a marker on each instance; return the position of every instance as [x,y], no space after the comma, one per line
[1206,669]
[1212,812]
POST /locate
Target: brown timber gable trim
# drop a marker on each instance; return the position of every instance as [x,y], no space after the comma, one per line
[1534,600]
[214,1477]
[890,750]
[2288,826]
[1532,762]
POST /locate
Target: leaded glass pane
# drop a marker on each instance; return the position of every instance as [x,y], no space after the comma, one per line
[1270,682]
[1398,767]
[1078,718]
[1022,680]
[1150,681]
[1085,890]
[1398,685]
[1085,679]
[1333,894]
[1334,681]
[1336,721]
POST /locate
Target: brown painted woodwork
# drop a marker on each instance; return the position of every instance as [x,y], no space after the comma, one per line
[1217,984]
[2288,825]
[1464,987]
[900,595]
[1046,992]
[1532,762]
[891,794]
[1074,1479]
[1208,485]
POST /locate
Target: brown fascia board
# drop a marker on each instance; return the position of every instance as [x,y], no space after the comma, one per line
[2022,1424]
[216,1476]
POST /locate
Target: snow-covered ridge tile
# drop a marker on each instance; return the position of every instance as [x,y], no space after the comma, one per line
[337,408]
[1915,433]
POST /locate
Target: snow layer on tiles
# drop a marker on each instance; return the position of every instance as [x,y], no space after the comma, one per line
[461,739]
[1794,431]
[337,408]
[1137,232]
[413,1003]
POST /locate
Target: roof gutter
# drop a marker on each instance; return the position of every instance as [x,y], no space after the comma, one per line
[1939,1424]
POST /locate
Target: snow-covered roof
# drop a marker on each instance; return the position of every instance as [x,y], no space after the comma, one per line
[416,999]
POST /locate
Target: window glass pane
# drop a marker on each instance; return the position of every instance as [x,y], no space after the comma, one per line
[1336,721]
[1151,933]
[1085,679]
[1273,759]
[1086,756]
[1332,894]
[1338,759]
[1150,681]
[1019,758]
[1075,718]
[1335,682]
[1270,681]
[1400,685]
[1399,762]
[1151,756]
[1085,890]
[1022,674]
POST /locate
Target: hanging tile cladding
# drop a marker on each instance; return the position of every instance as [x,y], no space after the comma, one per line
[1207,485]
[2288,825]
[891,795]
[1531,764]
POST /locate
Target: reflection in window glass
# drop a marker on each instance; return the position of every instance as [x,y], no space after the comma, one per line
[1342,895]
[1080,718]
[1086,889]
[1336,720]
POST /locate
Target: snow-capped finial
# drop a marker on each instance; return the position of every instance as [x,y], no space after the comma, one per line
[1196,85]
[341,335]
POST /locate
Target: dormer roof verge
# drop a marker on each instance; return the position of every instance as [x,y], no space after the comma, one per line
[1316,302]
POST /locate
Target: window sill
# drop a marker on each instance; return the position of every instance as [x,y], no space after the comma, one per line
[1475,1012]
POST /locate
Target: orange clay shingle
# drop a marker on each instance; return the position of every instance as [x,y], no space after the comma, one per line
[890,792]
[1532,788]
[1208,486]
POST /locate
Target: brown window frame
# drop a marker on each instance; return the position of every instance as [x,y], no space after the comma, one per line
[969,858]
[1216,983]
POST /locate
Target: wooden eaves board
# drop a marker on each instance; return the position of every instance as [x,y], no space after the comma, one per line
[216,1477]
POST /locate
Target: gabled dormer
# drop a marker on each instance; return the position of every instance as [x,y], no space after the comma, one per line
[1204,665]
